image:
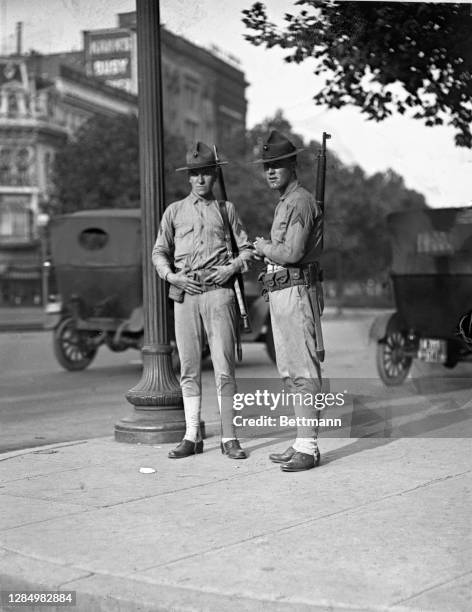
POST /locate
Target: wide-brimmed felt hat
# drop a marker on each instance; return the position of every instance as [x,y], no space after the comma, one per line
[276,147]
[199,156]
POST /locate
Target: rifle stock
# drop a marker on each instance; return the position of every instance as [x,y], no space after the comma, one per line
[238,281]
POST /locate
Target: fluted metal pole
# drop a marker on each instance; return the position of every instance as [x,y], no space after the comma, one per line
[158,410]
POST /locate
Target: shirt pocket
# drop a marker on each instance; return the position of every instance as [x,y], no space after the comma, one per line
[183,242]
[183,229]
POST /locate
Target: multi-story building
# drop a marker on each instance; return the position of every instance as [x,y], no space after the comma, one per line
[203,90]
[42,103]
[45,98]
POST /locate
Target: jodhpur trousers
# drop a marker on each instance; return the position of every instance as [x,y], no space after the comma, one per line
[293,329]
[215,313]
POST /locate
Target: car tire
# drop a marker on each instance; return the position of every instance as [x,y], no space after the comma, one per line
[70,346]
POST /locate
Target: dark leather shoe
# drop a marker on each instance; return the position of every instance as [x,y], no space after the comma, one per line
[185,449]
[233,450]
[300,462]
[283,457]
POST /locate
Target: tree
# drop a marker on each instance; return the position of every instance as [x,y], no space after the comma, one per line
[382,57]
[356,203]
[99,167]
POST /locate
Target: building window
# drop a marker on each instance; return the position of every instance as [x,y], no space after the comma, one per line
[191,130]
[191,94]
[12,104]
[22,166]
[5,167]
[15,223]
[47,167]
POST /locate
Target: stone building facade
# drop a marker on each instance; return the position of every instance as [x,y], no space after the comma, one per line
[42,103]
[45,98]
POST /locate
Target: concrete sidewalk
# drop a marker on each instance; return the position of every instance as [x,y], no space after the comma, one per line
[21,318]
[381,525]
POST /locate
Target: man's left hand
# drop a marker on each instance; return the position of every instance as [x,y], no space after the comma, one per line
[259,244]
[221,274]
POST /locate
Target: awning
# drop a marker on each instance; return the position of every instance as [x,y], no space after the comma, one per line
[18,274]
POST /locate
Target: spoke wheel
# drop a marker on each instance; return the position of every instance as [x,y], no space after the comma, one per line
[392,363]
[71,348]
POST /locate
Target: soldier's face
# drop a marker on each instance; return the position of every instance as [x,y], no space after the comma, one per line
[202,181]
[279,173]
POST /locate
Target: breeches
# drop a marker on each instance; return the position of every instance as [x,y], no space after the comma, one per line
[213,313]
[293,329]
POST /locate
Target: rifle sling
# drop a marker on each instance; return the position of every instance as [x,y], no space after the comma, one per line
[233,252]
[230,240]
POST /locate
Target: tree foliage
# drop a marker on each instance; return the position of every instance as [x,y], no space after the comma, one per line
[383,57]
[99,167]
[356,204]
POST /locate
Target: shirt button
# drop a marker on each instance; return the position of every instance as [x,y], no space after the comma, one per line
[201,242]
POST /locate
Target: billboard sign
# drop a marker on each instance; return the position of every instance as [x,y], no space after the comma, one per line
[108,55]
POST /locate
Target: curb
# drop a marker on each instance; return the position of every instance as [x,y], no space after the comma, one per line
[21,327]
[108,593]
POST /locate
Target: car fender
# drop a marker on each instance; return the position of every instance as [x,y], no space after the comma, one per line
[51,321]
[378,329]
[135,323]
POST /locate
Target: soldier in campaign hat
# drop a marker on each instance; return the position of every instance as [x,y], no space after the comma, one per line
[291,281]
[191,254]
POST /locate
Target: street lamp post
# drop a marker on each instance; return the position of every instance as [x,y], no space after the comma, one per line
[158,408]
[42,223]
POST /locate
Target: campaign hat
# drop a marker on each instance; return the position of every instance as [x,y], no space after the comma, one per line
[199,155]
[277,146]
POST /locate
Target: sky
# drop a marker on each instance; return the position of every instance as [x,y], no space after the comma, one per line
[427,158]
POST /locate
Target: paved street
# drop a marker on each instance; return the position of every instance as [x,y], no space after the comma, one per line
[42,404]
[383,524]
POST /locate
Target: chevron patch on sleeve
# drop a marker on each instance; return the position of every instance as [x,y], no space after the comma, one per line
[298,219]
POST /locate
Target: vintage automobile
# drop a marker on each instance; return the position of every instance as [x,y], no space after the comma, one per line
[432,286]
[96,265]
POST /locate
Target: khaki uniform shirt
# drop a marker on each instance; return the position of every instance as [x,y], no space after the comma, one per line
[296,234]
[191,237]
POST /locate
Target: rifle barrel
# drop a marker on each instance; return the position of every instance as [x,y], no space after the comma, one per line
[219,174]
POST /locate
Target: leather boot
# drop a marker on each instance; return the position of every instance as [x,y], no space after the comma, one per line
[301,461]
[185,449]
[233,450]
[283,457]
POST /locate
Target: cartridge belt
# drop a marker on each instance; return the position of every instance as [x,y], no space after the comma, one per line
[284,278]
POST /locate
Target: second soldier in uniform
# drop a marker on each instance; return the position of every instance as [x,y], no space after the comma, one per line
[292,282]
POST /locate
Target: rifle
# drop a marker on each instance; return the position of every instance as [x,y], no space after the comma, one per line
[321,176]
[316,290]
[232,252]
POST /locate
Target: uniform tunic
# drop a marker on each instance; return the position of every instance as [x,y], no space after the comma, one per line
[191,235]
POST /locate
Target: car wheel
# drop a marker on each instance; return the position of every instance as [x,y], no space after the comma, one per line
[392,363]
[72,348]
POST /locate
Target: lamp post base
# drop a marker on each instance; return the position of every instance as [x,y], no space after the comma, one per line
[141,430]
[144,429]
[157,399]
